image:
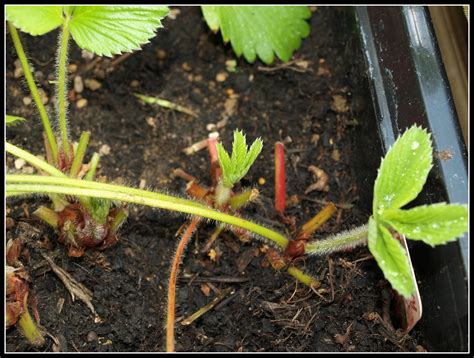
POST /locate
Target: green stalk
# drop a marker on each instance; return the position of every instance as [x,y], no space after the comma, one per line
[93,167]
[61,87]
[34,92]
[53,185]
[79,156]
[47,215]
[58,201]
[345,240]
[118,220]
[30,158]
[222,194]
[303,278]
[28,327]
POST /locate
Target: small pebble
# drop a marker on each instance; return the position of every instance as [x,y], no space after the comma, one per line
[339,104]
[92,84]
[173,14]
[142,184]
[221,76]
[43,96]
[72,68]
[81,103]
[186,67]
[161,54]
[19,163]
[28,170]
[211,127]
[87,55]
[91,336]
[18,72]
[9,223]
[39,75]
[134,84]
[336,155]
[27,101]
[78,84]
[231,65]
[104,149]
[151,121]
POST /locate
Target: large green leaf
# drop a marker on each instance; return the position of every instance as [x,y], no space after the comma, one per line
[391,258]
[403,171]
[260,30]
[434,224]
[111,30]
[35,20]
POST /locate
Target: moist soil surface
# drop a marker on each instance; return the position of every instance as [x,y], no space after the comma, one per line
[309,104]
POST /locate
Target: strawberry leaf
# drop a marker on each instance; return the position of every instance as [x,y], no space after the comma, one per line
[13,120]
[403,171]
[391,258]
[111,30]
[35,20]
[260,30]
[434,224]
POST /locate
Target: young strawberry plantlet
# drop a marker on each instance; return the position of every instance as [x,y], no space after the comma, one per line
[233,169]
[402,175]
[103,30]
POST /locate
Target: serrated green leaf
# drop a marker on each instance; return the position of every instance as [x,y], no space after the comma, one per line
[236,166]
[35,20]
[260,30]
[253,152]
[13,120]
[239,149]
[225,164]
[433,224]
[111,30]
[391,258]
[403,171]
[210,14]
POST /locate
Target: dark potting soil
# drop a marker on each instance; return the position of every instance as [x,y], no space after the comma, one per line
[310,104]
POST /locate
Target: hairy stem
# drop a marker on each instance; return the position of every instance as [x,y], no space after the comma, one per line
[170,317]
[34,92]
[30,158]
[343,241]
[79,156]
[47,185]
[62,86]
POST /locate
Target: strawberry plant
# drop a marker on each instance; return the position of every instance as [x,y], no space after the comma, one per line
[81,222]
[105,31]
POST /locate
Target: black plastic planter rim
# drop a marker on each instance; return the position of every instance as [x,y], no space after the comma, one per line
[408,85]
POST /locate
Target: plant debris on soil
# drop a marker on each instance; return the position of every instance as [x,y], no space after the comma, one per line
[309,104]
